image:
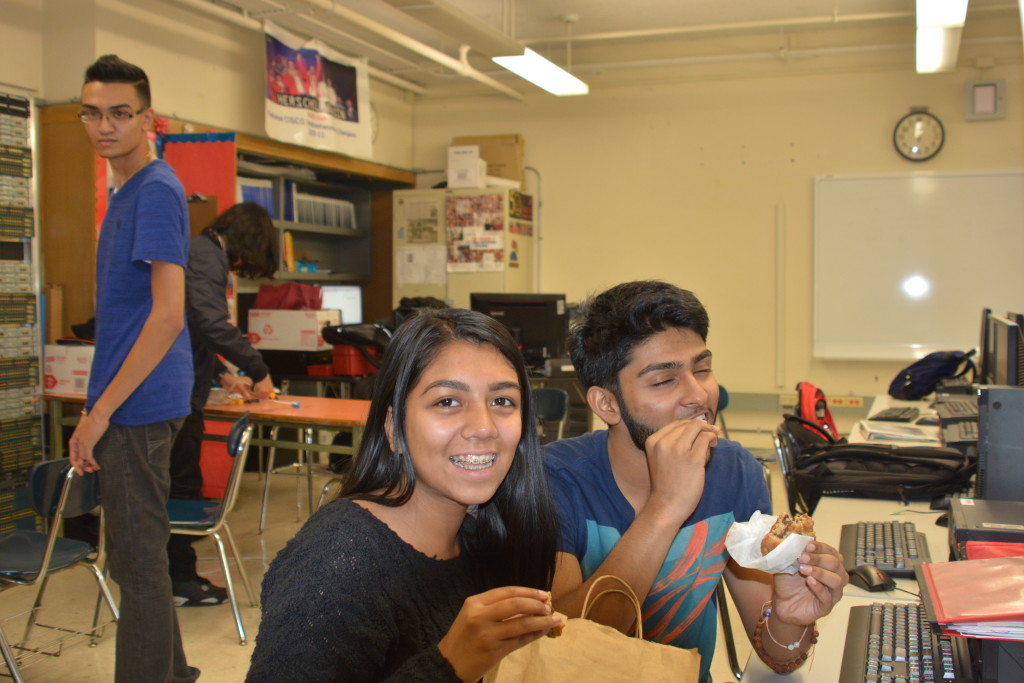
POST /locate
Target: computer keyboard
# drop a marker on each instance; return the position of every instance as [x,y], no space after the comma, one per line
[892,546]
[897,414]
[955,385]
[957,410]
[957,433]
[888,642]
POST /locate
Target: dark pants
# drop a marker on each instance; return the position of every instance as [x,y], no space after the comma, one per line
[135,482]
[187,483]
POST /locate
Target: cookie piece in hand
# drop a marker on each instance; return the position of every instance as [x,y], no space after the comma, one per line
[783,527]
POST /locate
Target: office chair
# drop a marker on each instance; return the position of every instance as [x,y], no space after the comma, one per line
[551,406]
[723,403]
[28,558]
[787,450]
[730,642]
[209,518]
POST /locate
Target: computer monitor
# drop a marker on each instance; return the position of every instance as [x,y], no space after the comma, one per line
[538,322]
[1018,320]
[985,348]
[345,298]
[1007,349]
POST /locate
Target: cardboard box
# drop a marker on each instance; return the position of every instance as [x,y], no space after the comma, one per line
[289,330]
[465,167]
[66,369]
[504,154]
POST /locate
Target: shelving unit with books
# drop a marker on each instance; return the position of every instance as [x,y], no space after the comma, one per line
[325,226]
[20,338]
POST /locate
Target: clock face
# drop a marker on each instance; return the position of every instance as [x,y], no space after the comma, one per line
[918,136]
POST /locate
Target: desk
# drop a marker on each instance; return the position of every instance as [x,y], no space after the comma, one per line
[883,401]
[829,518]
[333,414]
[312,415]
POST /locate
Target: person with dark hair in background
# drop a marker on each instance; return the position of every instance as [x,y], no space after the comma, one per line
[242,240]
[651,498]
[142,368]
[434,563]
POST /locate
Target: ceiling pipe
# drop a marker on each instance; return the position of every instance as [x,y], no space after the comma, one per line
[460,67]
[735,26]
[823,20]
[245,21]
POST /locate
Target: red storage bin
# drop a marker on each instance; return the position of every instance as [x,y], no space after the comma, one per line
[349,361]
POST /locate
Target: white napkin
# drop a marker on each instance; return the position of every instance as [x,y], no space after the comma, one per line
[744,545]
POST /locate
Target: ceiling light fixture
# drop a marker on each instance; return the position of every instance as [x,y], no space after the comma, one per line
[939,23]
[543,73]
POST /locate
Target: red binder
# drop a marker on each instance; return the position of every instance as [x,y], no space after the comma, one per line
[979,598]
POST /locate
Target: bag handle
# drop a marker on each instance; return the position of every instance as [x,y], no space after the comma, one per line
[624,590]
[812,426]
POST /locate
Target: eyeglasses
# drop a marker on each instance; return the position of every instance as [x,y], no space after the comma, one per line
[115,115]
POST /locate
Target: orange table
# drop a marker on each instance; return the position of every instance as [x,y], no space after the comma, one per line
[312,415]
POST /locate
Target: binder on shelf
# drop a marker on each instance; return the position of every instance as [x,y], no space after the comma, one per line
[258,190]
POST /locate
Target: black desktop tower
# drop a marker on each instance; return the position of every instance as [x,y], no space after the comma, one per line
[1000,443]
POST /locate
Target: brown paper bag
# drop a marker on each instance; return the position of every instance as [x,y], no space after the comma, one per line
[592,652]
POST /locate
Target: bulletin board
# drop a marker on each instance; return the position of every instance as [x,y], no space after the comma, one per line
[904,263]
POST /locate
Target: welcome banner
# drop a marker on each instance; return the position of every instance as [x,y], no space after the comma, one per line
[316,97]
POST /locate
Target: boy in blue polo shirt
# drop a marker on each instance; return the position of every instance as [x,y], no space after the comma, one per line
[142,368]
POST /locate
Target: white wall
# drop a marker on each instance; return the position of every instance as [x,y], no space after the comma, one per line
[684,182]
[21,44]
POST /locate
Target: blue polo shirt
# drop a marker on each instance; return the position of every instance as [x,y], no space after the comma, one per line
[146,221]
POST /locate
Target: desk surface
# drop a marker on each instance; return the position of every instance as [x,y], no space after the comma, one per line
[883,401]
[314,410]
[325,412]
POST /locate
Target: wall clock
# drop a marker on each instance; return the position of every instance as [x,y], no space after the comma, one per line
[918,136]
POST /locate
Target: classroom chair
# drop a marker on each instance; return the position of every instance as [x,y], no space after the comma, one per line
[29,558]
[787,450]
[551,406]
[210,518]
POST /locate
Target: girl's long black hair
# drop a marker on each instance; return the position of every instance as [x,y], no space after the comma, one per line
[513,536]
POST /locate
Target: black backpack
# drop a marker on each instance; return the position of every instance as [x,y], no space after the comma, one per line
[920,378]
[903,473]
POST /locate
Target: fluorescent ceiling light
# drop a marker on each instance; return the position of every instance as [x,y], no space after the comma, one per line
[941,12]
[937,49]
[543,73]
[939,23]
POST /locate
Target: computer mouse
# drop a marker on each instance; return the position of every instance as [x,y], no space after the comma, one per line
[871,579]
[943,519]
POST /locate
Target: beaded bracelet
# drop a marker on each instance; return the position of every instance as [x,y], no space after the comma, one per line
[776,665]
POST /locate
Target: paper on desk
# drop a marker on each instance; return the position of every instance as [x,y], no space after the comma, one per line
[879,430]
[744,545]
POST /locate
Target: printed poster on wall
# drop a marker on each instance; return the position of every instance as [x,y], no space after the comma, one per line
[476,233]
[315,97]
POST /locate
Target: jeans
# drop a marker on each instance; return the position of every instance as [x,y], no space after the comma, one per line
[134,484]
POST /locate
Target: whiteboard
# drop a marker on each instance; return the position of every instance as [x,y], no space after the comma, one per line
[960,233]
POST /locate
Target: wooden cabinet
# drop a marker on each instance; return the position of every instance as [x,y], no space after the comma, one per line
[73,199]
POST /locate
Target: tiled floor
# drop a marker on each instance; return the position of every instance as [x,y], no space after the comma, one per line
[209,634]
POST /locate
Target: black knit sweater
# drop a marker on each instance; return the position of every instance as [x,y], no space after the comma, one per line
[348,600]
